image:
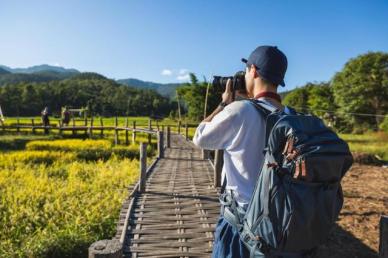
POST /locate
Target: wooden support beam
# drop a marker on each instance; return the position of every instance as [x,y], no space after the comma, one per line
[143,166]
[134,132]
[60,127]
[86,124]
[186,131]
[168,137]
[205,154]
[218,163]
[73,125]
[33,126]
[160,144]
[116,132]
[90,131]
[383,248]
[17,125]
[102,127]
[126,131]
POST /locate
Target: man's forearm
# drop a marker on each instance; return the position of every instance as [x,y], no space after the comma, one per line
[215,112]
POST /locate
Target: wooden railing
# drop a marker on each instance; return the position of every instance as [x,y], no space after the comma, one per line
[89,128]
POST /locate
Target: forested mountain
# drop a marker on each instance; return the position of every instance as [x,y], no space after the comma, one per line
[3,71]
[39,68]
[167,89]
[44,76]
[39,73]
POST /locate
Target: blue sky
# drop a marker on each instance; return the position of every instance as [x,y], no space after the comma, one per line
[162,41]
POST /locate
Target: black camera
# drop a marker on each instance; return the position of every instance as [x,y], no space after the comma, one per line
[238,83]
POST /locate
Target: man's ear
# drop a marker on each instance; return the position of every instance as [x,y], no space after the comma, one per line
[253,71]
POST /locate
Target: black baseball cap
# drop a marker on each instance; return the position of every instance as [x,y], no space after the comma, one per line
[271,63]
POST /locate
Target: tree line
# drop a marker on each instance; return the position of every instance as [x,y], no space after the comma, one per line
[100,95]
[354,100]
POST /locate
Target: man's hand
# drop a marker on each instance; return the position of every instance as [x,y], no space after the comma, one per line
[227,95]
[226,98]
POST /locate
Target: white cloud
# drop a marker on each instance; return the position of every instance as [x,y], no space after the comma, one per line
[183,71]
[166,72]
[183,77]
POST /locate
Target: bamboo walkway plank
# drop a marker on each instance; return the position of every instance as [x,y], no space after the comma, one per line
[177,214]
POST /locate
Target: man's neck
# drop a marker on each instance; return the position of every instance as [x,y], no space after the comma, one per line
[264,88]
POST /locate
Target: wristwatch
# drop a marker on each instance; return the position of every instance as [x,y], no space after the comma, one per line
[223,104]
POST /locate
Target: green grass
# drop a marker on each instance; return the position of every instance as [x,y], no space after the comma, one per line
[371,143]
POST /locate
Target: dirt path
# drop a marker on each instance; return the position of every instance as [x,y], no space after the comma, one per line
[366,199]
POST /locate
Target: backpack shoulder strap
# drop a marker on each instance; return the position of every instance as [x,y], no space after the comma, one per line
[263,107]
[266,110]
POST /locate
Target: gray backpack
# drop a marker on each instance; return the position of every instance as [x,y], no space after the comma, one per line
[298,194]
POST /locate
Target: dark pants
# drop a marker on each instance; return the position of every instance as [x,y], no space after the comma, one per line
[227,243]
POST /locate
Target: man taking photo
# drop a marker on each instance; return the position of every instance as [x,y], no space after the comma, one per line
[239,129]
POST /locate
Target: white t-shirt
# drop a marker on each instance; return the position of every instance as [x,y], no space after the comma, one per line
[239,129]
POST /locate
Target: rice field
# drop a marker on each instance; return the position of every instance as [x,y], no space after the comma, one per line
[57,196]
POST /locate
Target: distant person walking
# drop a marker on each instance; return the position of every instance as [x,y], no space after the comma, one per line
[65,116]
[1,117]
[45,119]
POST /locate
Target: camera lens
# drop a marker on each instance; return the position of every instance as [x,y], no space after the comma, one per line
[219,83]
[238,82]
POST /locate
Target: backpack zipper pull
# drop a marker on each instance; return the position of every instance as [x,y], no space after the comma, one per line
[297,168]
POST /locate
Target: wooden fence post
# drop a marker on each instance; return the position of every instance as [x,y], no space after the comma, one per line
[179,127]
[86,125]
[160,144]
[157,125]
[17,125]
[168,137]
[218,163]
[133,132]
[91,127]
[143,166]
[205,154]
[126,131]
[116,132]
[73,125]
[149,124]
[149,138]
[383,247]
[102,127]
[33,126]
[107,248]
[164,136]
[186,131]
[60,127]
